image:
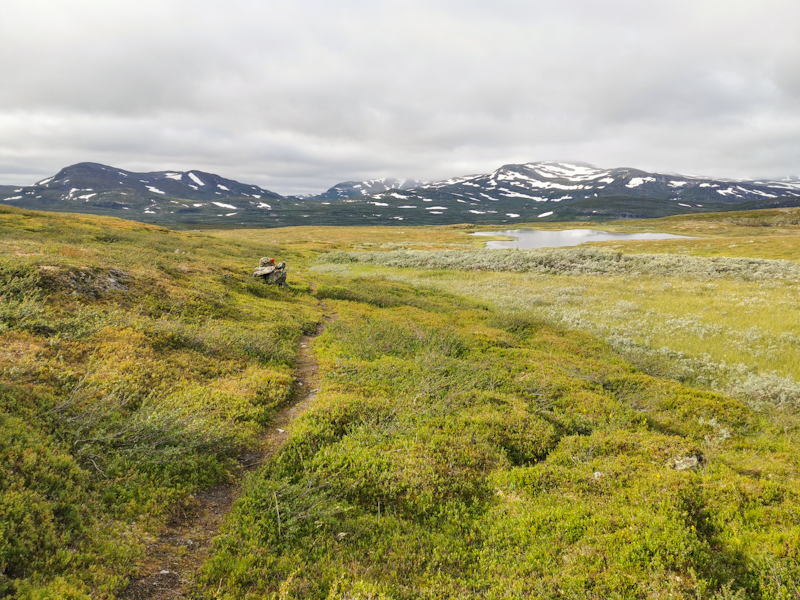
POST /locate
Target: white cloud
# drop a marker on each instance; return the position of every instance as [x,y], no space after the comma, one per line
[296,96]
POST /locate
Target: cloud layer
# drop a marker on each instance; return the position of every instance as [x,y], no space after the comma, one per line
[298,95]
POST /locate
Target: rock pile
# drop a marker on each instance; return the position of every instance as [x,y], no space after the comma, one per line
[271,272]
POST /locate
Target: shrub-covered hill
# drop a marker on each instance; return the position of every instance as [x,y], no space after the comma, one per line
[136,364]
[457,452]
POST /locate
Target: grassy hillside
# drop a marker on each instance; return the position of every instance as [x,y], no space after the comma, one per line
[467,440]
[137,364]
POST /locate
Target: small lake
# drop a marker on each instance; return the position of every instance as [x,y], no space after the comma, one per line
[533,238]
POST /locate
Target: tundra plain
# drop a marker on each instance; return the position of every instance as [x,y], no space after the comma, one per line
[619,421]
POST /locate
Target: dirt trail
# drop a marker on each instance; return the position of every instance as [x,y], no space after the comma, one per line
[172,561]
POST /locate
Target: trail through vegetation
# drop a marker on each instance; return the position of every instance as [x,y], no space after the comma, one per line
[457,451]
[138,366]
[174,559]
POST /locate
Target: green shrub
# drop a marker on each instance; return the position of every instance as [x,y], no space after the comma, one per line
[21,305]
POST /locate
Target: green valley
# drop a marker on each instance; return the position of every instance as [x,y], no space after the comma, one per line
[614,421]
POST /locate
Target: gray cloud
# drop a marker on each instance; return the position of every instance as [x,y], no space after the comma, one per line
[299,95]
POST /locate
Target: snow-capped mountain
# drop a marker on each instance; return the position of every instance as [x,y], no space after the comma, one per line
[350,189]
[552,191]
[576,191]
[96,188]
[547,183]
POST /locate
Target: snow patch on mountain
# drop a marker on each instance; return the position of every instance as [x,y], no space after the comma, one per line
[570,172]
[637,181]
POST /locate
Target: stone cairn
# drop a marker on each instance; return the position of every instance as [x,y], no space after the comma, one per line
[270,272]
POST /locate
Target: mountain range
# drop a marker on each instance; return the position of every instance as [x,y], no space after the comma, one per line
[515,192]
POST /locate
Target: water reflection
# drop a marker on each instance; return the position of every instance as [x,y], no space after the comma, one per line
[533,238]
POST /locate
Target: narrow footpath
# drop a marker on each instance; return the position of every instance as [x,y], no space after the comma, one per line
[172,561]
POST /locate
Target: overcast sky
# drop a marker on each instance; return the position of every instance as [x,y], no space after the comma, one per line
[297,95]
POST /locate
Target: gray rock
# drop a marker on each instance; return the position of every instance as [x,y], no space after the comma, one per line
[263,271]
[271,273]
[687,463]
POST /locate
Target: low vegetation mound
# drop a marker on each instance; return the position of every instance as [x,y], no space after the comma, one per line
[731,324]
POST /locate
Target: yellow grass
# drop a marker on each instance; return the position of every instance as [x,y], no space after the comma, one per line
[751,326]
[752,323]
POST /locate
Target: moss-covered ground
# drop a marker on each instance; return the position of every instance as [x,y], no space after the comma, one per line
[456,451]
[460,446]
[137,364]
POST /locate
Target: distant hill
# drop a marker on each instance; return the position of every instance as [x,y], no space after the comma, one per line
[161,197]
[551,182]
[555,191]
[548,191]
[350,189]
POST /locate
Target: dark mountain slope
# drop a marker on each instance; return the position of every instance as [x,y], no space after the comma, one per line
[166,197]
[515,192]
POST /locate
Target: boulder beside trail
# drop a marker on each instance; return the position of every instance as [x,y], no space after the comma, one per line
[271,272]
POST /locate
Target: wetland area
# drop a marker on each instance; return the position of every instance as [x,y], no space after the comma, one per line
[526,239]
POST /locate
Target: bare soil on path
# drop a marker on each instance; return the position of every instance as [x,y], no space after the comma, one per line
[173,560]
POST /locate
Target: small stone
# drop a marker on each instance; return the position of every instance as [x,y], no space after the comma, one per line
[687,463]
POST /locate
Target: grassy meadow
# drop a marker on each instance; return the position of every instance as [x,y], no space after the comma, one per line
[721,311]
[576,423]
